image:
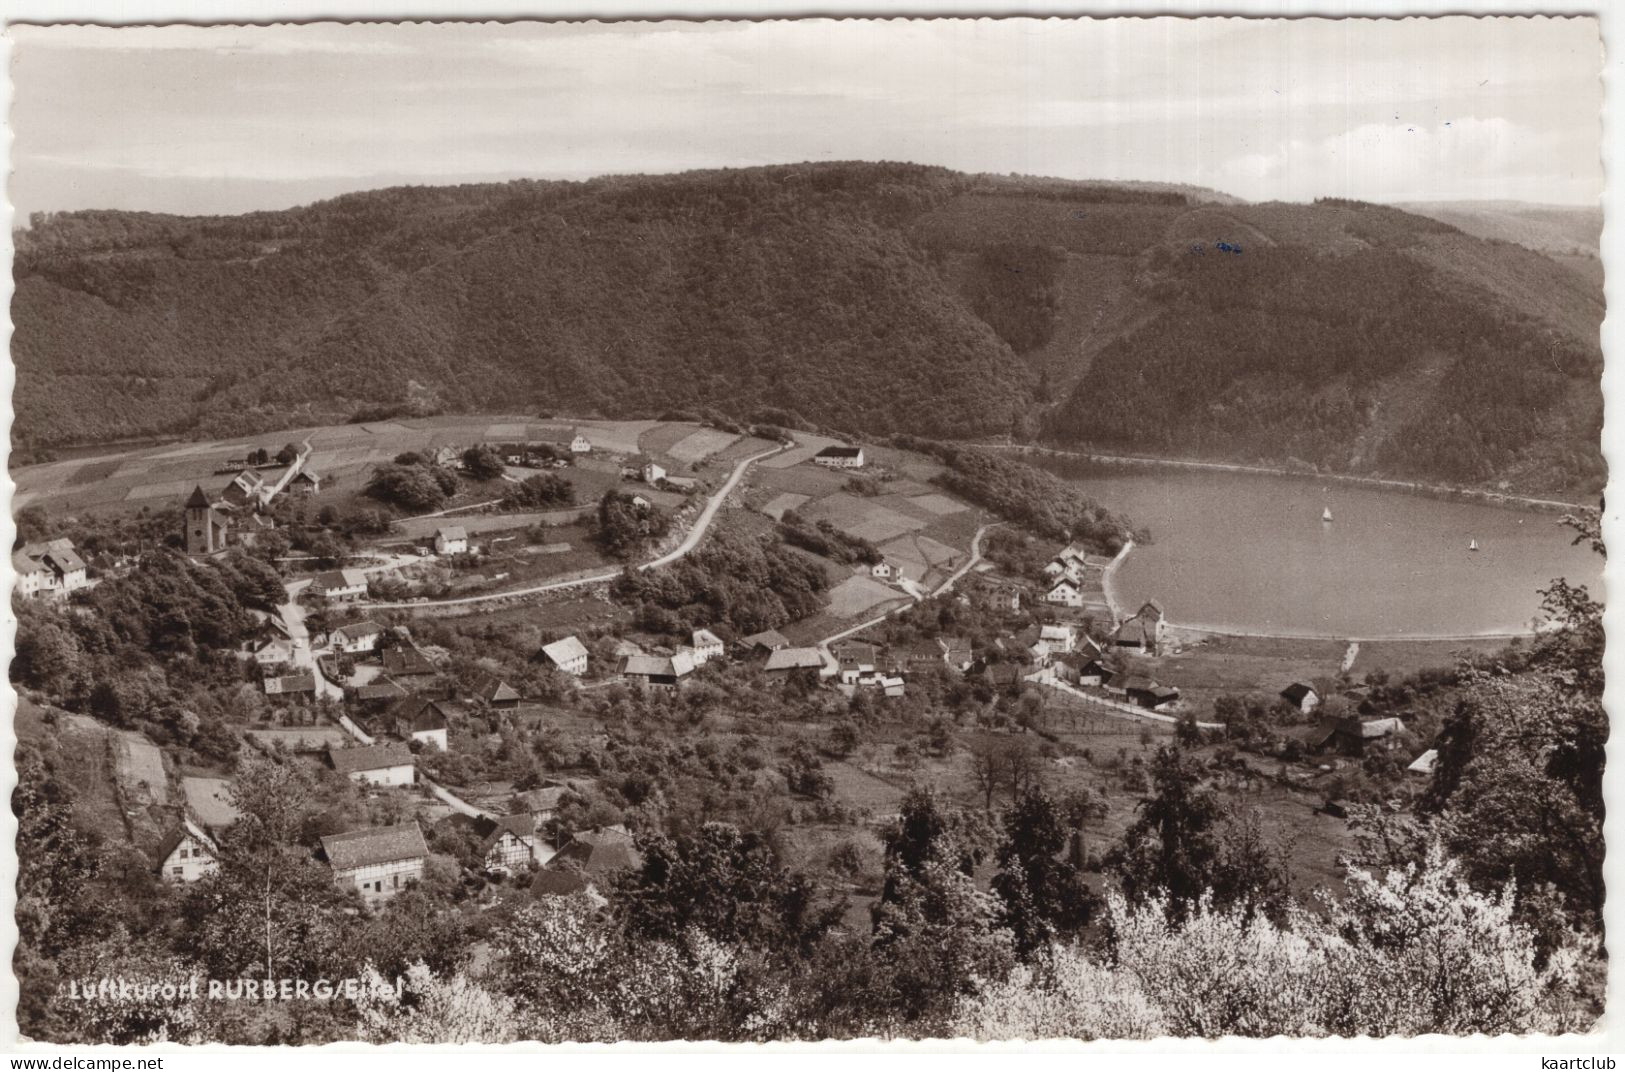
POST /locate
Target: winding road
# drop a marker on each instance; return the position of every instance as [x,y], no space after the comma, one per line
[692,540]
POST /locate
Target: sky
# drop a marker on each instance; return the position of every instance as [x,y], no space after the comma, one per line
[210,120]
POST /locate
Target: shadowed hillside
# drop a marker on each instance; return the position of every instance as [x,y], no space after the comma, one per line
[871,297]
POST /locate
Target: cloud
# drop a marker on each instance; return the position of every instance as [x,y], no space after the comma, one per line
[1399,161]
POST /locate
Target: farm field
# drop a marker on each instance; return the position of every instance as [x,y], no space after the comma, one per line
[148,477]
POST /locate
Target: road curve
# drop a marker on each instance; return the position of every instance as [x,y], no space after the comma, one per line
[691,541]
[944,587]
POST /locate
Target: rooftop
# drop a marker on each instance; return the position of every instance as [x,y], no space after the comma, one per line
[369,757]
[376,845]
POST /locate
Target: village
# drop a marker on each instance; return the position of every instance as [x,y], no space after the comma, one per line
[351,689]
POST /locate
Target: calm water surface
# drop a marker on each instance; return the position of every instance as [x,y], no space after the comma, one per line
[1250,553]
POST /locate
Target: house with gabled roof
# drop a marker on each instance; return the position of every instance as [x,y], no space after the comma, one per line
[858,661]
[512,842]
[580,444]
[568,655]
[379,862]
[390,763]
[381,691]
[659,672]
[839,457]
[1145,631]
[1059,637]
[768,640]
[1353,736]
[357,637]
[50,568]
[339,586]
[451,540]
[598,854]
[1302,695]
[291,686]
[407,662]
[305,482]
[1064,593]
[417,718]
[541,804]
[707,646]
[187,853]
[785,660]
[495,693]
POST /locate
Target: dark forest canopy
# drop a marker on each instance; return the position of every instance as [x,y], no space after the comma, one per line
[880,297]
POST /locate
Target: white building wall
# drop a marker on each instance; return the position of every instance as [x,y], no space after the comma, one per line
[380,882]
[188,862]
[405,774]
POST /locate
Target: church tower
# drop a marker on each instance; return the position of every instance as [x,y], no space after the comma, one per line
[202,526]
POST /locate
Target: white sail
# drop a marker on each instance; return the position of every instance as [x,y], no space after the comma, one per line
[1326,514]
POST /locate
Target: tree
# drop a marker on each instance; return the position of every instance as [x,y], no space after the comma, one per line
[729,885]
[432,1010]
[804,773]
[1043,896]
[288,453]
[411,487]
[1179,850]
[1001,761]
[541,490]
[1516,792]
[623,525]
[33,524]
[482,462]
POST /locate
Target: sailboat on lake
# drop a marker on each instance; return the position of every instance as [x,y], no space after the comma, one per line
[1326,514]
[1472,545]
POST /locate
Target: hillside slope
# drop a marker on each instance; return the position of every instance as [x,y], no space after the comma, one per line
[871,297]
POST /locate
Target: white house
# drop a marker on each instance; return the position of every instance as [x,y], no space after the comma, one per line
[1145,631]
[272,651]
[1301,695]
[340,586]
[580,444]
[1061,639]
[415,718]
[357,637]
[512,843]
[707,646]
[652,473]
[882,570]
[1064,594]
[451,540]
[187,853]
[569,655]
[378,862]
[375,764]
[51,569]
[641,503]
[840,457]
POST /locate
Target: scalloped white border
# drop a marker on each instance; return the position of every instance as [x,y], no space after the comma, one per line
[1331,1054]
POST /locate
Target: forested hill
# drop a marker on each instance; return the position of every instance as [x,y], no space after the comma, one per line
[870,297]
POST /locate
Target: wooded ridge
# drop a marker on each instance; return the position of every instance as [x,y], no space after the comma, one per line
[870,297]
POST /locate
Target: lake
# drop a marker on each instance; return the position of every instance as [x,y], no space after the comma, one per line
[1245,552]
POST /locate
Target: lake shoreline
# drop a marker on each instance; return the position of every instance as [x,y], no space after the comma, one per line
[1412,487]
